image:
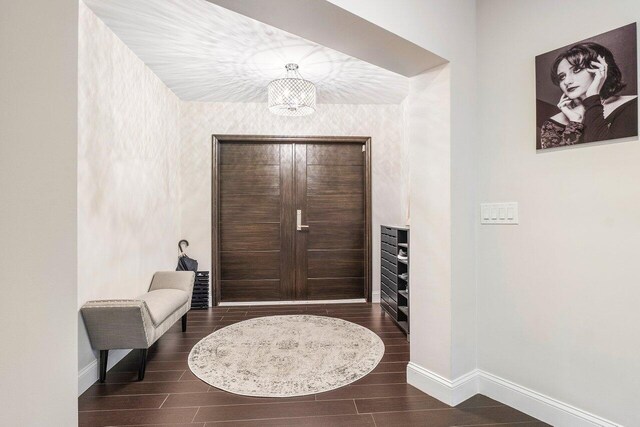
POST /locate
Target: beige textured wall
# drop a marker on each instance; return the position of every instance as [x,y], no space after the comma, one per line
[38,159]
[128,171]
[384,123]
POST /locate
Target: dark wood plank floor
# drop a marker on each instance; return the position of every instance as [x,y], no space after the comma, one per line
[171,395]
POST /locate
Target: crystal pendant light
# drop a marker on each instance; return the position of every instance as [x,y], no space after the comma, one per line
[292,95]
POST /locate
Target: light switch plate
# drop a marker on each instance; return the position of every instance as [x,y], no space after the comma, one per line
[499,213]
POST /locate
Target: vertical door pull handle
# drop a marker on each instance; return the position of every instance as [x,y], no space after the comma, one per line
[299,225]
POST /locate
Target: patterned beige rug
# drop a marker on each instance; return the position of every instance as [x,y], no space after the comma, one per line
[283,356]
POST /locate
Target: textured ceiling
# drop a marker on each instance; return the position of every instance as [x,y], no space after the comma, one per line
[204,52]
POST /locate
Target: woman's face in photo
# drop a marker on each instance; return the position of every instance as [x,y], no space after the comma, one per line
[574,81]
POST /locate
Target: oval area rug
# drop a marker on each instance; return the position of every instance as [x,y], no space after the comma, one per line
[284,356]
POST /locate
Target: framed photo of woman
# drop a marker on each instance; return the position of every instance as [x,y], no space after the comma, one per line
[588,91]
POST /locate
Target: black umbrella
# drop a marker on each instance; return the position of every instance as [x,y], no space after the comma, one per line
[184,262]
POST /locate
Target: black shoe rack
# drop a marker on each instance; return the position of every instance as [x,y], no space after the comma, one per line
[200,299]
[394,280]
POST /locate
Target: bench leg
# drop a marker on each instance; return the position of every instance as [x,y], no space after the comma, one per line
[184,323]
[143,363]
[104,355]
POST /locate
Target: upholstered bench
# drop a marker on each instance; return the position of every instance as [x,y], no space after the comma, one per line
[138,323]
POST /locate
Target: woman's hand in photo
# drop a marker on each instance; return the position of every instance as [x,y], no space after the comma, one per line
[575,113]
[599,72]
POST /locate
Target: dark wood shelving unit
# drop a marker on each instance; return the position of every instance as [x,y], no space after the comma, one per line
[200,298]
[394,289]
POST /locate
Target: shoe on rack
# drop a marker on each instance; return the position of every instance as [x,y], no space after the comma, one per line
[402,254]
[403,276]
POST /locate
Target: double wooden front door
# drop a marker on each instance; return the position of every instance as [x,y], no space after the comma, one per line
[265,191]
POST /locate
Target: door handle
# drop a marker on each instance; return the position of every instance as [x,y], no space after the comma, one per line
[299,225]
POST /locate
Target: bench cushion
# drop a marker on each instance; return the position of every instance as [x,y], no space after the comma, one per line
[163,302]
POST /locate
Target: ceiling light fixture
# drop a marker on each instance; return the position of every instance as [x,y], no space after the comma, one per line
[292,95]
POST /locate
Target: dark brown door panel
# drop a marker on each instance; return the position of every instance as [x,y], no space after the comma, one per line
[251,154]
[334,235]
[250,179]
[249,237]
[250,290]
[325,179]
[336,263]
[250,265]
[335,208]
[335,154]
[340,288]
[244,208]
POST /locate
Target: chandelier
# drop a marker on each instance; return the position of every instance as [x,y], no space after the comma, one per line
[292,95]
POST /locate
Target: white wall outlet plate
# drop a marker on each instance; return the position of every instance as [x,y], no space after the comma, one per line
[499,213]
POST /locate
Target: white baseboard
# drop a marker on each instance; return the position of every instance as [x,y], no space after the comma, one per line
[88,375]
[447,391]
[327,301]
[530,402]
[536,404]
[375,296]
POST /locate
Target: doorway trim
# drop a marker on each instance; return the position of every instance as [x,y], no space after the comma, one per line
[216,140]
